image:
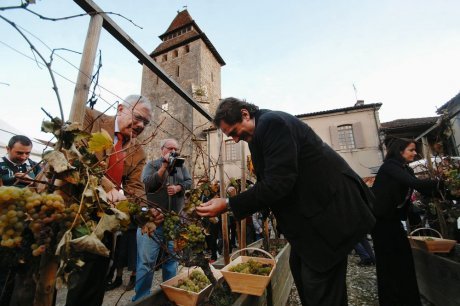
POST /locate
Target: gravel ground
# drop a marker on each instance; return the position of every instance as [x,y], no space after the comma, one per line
[361,284]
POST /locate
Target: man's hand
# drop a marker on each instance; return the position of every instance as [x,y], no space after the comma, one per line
[212,208]
[114,196]
[23,177]
[173,189]
[158,216]
[149,228]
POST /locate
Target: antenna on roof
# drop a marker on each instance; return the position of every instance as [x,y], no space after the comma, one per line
[358,102]
[356,91]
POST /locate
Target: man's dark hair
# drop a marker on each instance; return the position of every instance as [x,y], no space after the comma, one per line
[396,146]
[229,110]
[24,140]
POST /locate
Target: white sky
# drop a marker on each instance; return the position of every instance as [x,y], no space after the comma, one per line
[301,56]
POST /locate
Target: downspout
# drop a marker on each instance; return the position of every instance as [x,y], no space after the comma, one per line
[378,134]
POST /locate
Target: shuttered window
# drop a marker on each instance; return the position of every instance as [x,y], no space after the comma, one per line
[345,137]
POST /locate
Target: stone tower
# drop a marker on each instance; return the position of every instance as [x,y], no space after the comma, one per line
[188,56]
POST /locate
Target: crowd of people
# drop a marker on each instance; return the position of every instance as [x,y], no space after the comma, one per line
[322,207]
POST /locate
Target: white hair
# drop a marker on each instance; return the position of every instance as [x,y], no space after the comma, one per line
[131,100]
[164,141]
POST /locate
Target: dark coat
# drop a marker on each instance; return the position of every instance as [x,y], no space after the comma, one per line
[393,187]
[321,205]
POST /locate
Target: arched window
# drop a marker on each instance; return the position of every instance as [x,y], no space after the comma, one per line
[175,53]
[187,48]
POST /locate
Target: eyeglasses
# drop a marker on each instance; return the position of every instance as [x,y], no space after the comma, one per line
[170,148]
[139,118]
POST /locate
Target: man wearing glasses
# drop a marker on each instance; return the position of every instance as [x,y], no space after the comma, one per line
[165,184]
[124,168]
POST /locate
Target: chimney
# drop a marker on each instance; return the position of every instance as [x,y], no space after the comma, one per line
[359,102]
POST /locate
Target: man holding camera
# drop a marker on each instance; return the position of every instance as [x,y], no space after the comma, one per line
[17,169]
[165,180]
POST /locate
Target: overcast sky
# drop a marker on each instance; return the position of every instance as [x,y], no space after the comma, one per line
[298,56]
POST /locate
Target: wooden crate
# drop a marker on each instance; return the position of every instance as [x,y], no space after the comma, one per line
[183,297]
[248,283]
[432,244]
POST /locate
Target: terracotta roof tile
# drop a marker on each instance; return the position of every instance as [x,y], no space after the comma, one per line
[182,19]
[345,109]
[411,122]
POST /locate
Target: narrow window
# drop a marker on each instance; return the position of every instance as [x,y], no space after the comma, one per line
[345,135]
[165,57]
[187,49]
[231,150]
[175,53]
[177,71]
[212,76]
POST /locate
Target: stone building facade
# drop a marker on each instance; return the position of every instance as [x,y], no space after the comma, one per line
[187,56]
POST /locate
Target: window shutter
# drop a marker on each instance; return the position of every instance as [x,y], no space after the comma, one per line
[334,137]
[358,135]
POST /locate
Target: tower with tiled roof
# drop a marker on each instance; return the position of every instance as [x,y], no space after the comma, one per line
[189,57]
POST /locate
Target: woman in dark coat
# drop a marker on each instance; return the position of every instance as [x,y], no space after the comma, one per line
[393,187]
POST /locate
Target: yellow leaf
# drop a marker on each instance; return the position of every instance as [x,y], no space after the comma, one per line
[100,141]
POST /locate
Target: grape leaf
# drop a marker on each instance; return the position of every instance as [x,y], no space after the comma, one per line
[57,160]
[100,141]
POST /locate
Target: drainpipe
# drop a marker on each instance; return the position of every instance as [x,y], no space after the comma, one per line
[378,134]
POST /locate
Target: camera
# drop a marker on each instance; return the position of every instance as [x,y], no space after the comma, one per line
[175,160]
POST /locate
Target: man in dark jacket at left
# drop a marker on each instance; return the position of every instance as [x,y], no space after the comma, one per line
[321,205]
[17,169]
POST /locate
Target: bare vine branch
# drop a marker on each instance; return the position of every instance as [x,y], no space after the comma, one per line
[25,5]
[48,65]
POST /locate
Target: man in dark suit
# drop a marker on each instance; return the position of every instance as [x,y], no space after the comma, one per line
[321,205]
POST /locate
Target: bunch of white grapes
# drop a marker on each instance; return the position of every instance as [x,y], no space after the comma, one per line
[12,215]
[44,214]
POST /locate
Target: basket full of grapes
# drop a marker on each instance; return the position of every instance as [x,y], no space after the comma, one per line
[247,274]
[189,288]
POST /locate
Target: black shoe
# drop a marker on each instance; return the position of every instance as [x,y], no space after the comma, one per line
[132,283]
[115,284]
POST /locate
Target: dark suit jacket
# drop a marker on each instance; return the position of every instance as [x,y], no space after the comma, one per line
[393,186]
[321,205]
[95,121]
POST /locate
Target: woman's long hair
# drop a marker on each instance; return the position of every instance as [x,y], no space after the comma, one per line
[396,146]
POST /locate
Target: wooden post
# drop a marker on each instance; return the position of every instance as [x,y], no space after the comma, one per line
[77,111]
[243,188]
[427,153]
[223,195]
[44,295]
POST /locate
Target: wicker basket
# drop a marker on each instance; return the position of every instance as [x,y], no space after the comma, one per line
[248,283]
[429,243]
[183,297]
